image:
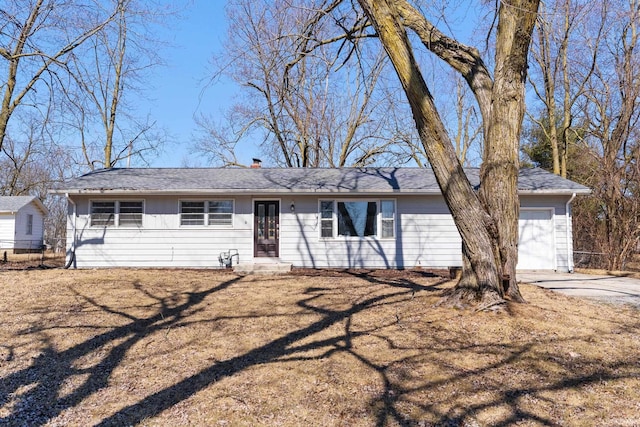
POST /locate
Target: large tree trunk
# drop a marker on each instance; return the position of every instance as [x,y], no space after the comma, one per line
[488,224]
[484,284]
[501,103]
[499,172]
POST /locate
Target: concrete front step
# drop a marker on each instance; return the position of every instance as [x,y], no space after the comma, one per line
[262,268]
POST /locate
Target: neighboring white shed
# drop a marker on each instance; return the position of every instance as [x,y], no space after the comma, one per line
[21,223]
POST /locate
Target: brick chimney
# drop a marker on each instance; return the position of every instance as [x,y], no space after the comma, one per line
[257,164]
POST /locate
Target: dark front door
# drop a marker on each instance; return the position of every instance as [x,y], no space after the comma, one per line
[266,228]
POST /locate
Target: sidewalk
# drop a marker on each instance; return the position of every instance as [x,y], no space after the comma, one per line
[619,290]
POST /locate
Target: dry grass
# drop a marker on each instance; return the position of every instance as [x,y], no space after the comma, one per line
[604,272]
[185,347]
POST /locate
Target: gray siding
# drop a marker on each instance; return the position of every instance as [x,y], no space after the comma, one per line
[161,242]
[425,235]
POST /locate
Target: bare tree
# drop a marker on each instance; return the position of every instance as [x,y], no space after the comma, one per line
[611,115]
[565,55]
[36,40]
[107,70]
[488,222]
[467,130]
[304,100]
[587,79]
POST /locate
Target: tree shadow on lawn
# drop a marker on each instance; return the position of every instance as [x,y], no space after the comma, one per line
[51,368]
[387,407]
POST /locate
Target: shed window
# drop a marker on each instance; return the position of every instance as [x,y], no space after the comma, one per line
[29,224]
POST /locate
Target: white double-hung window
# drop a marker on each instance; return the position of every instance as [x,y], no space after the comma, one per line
[357,218]
[217,213]
[116,213]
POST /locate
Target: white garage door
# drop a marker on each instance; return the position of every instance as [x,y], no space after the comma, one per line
[536,249]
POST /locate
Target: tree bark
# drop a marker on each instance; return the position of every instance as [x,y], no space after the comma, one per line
[499,171]
[471,219]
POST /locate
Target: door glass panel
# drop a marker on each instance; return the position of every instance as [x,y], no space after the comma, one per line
[261,221]
[272,221]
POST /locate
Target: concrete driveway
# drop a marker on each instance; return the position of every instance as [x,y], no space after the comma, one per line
[618,290]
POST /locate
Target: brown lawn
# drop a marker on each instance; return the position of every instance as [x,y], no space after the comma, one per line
[357,348]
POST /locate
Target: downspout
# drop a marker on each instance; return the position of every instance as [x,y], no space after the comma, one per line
[72,256]
[569,234]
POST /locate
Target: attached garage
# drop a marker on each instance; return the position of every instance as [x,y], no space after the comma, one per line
[537,244]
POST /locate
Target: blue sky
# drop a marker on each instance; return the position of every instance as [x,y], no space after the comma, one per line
[177,88]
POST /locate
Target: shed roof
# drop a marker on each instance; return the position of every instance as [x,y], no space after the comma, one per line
[15,203]
[292,181]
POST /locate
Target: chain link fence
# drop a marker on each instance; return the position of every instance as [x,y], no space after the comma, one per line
[31,250]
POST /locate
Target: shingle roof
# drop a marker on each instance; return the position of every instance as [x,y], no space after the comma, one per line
[292,180]
[15,203]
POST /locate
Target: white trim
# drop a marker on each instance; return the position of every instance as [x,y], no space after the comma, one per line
[74,226]
[202,192]
[569,233]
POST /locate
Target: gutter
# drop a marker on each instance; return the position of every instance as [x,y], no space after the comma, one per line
[74,224]
[569,234]
[289,191]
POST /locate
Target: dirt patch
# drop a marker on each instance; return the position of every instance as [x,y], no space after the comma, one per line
[352,348]
[30,261]
[416,273]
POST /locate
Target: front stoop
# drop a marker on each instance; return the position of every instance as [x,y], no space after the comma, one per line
[262,268]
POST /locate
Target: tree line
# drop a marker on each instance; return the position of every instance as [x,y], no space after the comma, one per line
[583,120]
